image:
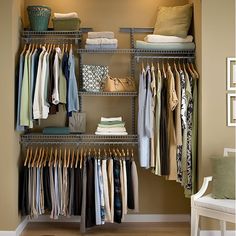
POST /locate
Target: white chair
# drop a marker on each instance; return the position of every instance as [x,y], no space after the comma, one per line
[220,209]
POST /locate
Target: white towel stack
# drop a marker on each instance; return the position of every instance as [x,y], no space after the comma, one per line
[111,126]
[101,40]
[71,15]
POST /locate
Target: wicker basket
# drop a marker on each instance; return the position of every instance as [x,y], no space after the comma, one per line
[39,17]
[66,24]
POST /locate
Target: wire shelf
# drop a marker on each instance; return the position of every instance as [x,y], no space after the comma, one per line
[106,51]
[79,139]
[121,94]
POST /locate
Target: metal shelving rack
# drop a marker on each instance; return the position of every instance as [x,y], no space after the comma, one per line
[49,36]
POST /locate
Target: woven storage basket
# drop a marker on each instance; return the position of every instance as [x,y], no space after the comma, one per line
[39,17]
[66,24]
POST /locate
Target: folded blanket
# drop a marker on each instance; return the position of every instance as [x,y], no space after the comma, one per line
[100,46]
[111,119]
[111,125]
[56,130]
[111,133]
[66,15]
[102,34]
[101,41]
[164,46]
[111,129]
[155,38]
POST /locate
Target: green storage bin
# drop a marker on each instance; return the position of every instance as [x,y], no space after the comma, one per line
[39,17]
[66,24]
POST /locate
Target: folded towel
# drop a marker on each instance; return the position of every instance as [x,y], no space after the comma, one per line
[164,46]
[56,130]
[66,15]
[111,129]
[111,118]
[110,124]
[100,46]
[101,41]
[102,34]
[155,38]
[111,133]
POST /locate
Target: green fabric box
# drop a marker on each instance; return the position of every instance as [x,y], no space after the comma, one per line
[66,24]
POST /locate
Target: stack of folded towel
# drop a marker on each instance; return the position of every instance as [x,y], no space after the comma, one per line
[71,15]
[111,126]
[101,40]
[154,41]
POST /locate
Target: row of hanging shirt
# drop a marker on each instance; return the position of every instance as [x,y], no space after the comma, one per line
[46,78]
[100,190]
[167,122]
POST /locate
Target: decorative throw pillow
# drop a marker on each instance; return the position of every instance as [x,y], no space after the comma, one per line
[174,21]
[223,177]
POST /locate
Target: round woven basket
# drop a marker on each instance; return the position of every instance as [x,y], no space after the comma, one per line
[39,17]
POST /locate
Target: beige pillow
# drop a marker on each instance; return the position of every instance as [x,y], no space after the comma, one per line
[174,21]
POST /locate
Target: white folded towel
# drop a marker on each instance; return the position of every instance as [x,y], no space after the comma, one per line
[101,34]
[111,129]
[111,133]
[111,119]
[99,41]
[155,38]
[66,15]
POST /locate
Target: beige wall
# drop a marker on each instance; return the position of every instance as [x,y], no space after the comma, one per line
[218,43]
[215,41]
[9,144]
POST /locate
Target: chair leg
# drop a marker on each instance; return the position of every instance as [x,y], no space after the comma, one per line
[194,223]
[197,230]
[223,228]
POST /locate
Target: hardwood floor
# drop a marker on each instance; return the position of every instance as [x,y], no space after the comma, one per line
[124,229]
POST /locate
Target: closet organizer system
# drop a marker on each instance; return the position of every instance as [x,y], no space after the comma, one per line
[59,169]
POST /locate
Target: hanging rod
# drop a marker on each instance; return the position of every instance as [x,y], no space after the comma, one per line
[163,57]
[83,143]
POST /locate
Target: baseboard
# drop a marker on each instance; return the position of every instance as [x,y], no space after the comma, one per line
[216,233]
[21,226]
[18,230]
[128,218]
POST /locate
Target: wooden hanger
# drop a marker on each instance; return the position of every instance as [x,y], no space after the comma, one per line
[27,156]
[72,158]
[39,157]
[55,157]
[71,47]
[24,49]
[127,151]
[42,157]
[46,157]
[50,158]
[66,47]
[65,158]
[81,158]
[190,70]
[123,153]
[30,157]
[68,158]
[163,69]
[35,156]
[193,69]
[59,158]
[77,158]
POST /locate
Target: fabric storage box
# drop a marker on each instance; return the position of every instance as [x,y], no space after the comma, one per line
[39,17]
[66,24]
